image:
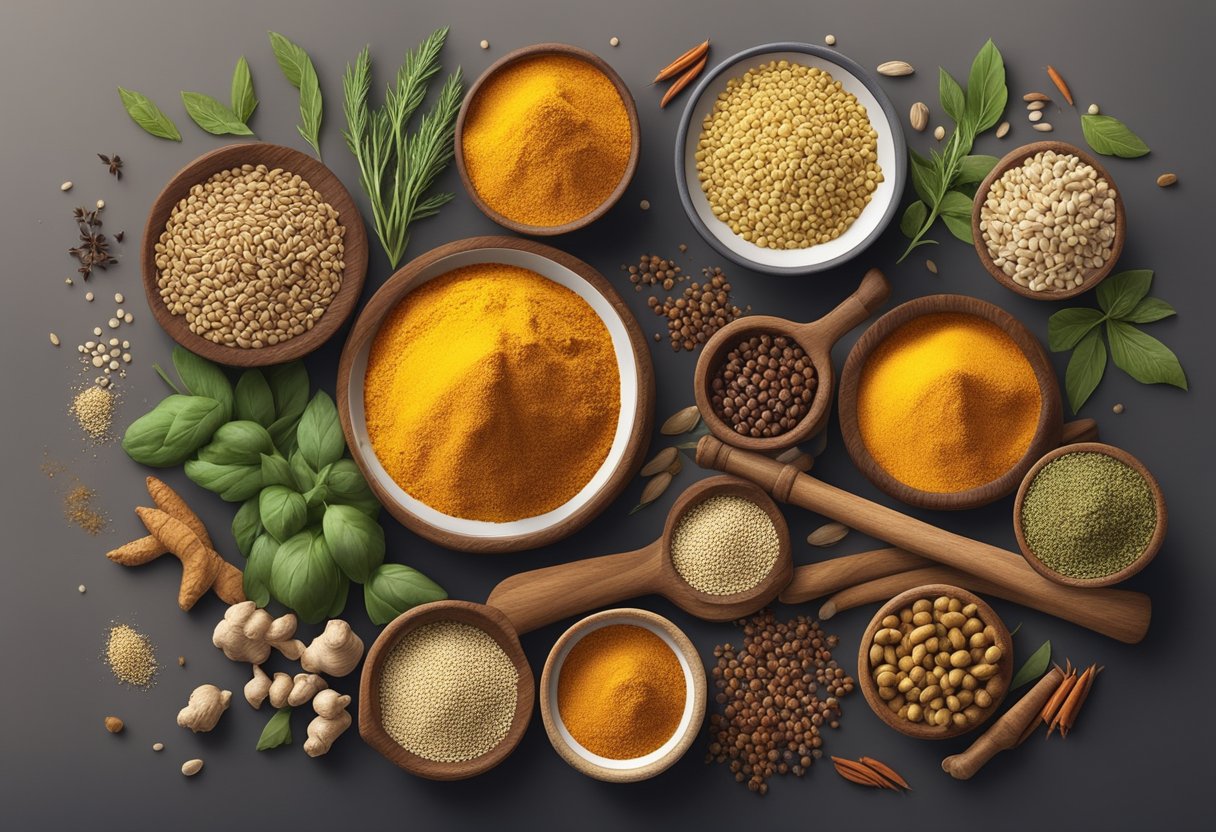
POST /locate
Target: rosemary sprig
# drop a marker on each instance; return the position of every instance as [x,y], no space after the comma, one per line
[397,167]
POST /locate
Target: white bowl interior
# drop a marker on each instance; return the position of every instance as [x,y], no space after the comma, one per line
[870,217]
[685,718]
[629,396]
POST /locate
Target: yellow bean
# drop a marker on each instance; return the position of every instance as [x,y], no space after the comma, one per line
[960,658]
[984,671]
[993,654]
[921,633]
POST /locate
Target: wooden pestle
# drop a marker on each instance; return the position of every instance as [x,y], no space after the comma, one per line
[1006,732]
[1117,613]
[818,580]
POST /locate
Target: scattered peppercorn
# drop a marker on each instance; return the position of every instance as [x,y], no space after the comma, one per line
[703,309]
[764,387]
[653,270]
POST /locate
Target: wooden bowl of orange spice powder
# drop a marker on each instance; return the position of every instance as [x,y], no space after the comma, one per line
[497,394]
[622,695]
[547,139]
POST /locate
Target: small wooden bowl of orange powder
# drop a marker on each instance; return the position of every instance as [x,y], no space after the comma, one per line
[622,695]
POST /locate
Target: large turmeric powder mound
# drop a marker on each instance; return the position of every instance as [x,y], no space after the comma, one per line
[546,140]
[948,402]
[492,393]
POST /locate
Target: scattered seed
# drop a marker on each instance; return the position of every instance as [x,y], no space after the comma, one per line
[894,69]
[1035,96]
[1167,179]
[118,298]
[485,44]
[662,461]
[54,339]
[830,40]
[644,204]
[88,296]
[101,203]
[939,132]
[614,41]
[1035,115]
[68,280]
[1118,408]
[81,589]
[682,421]
[918,116]
[128,318]
[683,248]
[158,746]
[829,534]
[114,323]
[1036,105]
[113,724]
[181,661]
[192,767]
[66,186]
[1043,127]
[931,266]
[97,330]
[1003,130]
[1093,110]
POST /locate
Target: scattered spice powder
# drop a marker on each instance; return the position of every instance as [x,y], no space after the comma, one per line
[93,408]
[130,655]
[78,507]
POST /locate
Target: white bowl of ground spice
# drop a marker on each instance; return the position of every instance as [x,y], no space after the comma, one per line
[779,191]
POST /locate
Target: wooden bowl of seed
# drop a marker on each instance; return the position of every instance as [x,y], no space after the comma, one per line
[253,254]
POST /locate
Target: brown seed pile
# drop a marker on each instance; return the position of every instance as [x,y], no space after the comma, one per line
[93,408]
[703,309]
[130,655]
[764,387]
[252,257]
[653,270]
[776,694]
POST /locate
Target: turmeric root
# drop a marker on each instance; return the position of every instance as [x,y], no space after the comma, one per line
[332,719]
[171,503]
[200,564]
[138,552]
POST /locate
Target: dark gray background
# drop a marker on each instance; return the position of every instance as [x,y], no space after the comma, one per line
[1142,750]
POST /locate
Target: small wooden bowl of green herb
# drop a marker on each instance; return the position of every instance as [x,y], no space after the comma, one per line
[1089,515]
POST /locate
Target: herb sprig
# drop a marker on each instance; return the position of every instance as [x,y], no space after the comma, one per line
[299,71]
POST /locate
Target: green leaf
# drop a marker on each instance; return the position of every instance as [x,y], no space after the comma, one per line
[320,432]
[347,486]
[282,511]
[242,97]
[956,214]
[277,471]
[973,169]
[310,108]
[173,430]
[339,602]
[278,730]
[1066,328]
[238,443]
[951,95]
[305,577]
[914,217]
[148,116]
[986,91]
[289,386]
[356,542]
[258,568]
[1143,357]
[1119,294]
[303,474]
[253,400]
[203,378]
[246,526]
[925,177]
[291,58]
[392,589]
[316,496]
[1085,369]
[234,483]
[1034,667]
[1149,310]
[1111,137]
[213,116]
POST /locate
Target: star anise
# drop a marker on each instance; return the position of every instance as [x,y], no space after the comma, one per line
[94,249]
[114,162]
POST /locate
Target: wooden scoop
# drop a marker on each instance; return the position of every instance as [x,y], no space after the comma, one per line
[1119,614]
[816,339]
[542,596]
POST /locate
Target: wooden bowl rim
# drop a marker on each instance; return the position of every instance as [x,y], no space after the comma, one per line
[408,278]
[325,183]
[631,110]
[493,623]
[1016,157]
[1046,436]
[869,689]
[1151,548]
[549,711]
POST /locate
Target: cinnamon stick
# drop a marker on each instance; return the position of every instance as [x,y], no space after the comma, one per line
[683,62]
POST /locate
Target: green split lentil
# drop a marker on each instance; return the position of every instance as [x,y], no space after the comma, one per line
[724,545]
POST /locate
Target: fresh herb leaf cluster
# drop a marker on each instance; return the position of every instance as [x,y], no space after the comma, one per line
[308,521]
[396,167]
[209,113]
[946,181]
[1124,302]
[298,69]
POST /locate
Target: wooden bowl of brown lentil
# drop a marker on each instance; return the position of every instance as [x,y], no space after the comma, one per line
[318,308]
[898,614]
[1090,276]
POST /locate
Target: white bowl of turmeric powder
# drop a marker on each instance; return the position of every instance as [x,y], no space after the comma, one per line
[497,394]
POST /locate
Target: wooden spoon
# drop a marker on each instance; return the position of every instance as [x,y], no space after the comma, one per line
[1117,613]
[539,597]
[816,339]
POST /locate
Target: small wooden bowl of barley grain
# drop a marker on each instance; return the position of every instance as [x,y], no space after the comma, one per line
[264,301]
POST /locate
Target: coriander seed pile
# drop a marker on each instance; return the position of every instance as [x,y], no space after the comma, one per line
[764,387]
[130,655]
[725,544]
[93,408]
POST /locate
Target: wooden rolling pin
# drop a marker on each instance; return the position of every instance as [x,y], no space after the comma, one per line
[1117,613]
[1006,732]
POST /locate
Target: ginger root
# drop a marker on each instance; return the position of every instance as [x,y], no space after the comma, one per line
[280,690]
[335,652]
[206,705]
[257,688]
[331,720]
[304,687]
[246,634]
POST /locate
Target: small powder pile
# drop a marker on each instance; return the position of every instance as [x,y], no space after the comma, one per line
[79,509]
[725,544]
[93,408]
[448,692]
[621,692]
[130,655]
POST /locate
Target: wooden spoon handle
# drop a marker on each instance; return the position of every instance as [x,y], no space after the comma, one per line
[1079,430]
[539,597]
[817,580]
[1006,731]
[870,295]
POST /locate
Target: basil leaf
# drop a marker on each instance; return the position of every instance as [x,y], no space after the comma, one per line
[924,177]
[298,69]
[951,95]
[173,430]
[393,588]
[234,483]
[316,496]
[1143,357]
[291,58]
[246,526]
[1085,369]
[1149,310]
[1034,667]
[1111,137]
[276,471]
[202,378]
[955,211]
[302,472]
[213,116]
[238,443]
[986,91]
[305,577]
[1068,326]
[253,400]
[241,97]
[973,169]
[1119,293]
[278,730]
[258,568]
[339,602]
[356,542]
[347,486]
[148,116]
[320,432]
[914,217]
[289,386]
[283,511]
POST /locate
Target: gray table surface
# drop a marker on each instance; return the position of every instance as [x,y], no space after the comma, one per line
[1140,754]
